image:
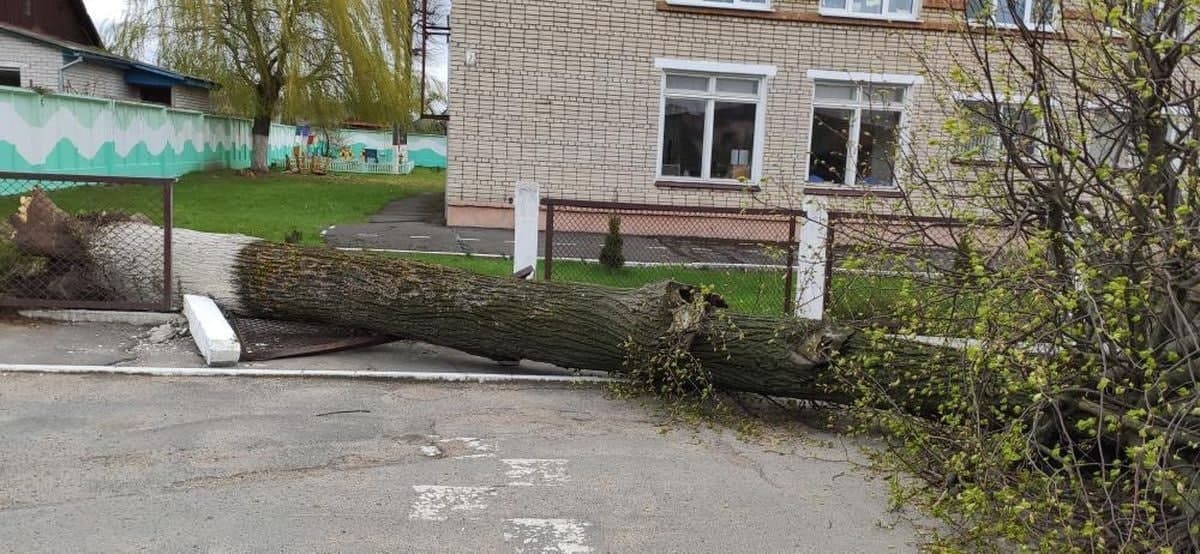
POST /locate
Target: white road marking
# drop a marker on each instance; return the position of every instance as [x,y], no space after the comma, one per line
[657,247]
[466,239]
[528,472]
[435,503]
[419,237]
[481,449]
[547,535]
[366,235]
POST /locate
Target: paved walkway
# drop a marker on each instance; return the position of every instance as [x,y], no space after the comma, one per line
[415,224]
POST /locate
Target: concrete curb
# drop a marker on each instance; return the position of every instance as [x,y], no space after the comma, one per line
[304,373]
[99,316]
[213,335]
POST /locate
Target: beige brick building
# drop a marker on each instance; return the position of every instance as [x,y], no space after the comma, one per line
[673,101]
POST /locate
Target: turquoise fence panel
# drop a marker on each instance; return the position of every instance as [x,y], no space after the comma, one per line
[427,150]
[53,133]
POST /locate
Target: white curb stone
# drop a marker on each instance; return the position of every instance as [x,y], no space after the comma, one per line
[213,335]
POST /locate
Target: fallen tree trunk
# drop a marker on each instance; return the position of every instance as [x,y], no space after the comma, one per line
[571,325]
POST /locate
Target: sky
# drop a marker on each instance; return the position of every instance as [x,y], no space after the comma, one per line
[103,11]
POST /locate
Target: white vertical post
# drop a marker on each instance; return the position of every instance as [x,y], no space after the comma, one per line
[810,262]
[526,208]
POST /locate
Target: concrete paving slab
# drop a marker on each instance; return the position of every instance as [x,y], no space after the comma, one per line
[99,464]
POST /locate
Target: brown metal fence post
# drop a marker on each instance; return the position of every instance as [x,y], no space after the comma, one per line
[549,266]
[790,278]
[168,236]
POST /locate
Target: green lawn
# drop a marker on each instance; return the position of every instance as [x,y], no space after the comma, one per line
[266,206]
[852,298]
[746,291]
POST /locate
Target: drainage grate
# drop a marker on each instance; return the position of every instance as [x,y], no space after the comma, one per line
[269,339]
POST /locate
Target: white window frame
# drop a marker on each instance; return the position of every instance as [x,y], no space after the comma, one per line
[910,82]
[1130,158]
[884,16]
[1046,26]
[700,68]
[744,5]
[983,98]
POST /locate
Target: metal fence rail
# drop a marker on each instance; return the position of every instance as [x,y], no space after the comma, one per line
[747,255]
[38,282]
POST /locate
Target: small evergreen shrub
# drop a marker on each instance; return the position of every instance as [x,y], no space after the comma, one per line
[611,255]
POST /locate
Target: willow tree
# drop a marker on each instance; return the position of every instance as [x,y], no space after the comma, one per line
[317,60]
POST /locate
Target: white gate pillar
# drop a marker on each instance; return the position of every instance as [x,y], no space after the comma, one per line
[810,262]
[526,208]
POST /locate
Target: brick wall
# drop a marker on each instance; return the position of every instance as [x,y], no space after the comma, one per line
[38,63]
[90,79]
[566,93]
[190,98]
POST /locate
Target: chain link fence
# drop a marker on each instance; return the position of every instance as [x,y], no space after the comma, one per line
[905,271]
[66,278]
[746,255]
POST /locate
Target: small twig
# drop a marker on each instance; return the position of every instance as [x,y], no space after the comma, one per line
[344,412]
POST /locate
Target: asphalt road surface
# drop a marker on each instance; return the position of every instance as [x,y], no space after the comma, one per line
[126,464]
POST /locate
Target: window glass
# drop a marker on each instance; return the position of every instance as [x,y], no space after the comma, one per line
[733,140]
[855,133]
[982,141]
[878,139]
[900,6]
[987,121]
[687,82]
[882,94]
[1034,13]
[826,91]
[830,141]
[866,6]
[737,86]
[1009,12]
[10,77]
[869,8]
[709,126]
[683,137]
[1042,12]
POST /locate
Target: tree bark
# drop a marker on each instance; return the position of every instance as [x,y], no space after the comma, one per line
[260,144]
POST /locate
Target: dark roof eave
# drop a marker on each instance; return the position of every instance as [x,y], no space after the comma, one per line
[124,63]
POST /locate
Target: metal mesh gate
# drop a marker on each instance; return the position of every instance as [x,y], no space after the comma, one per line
[65,279]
